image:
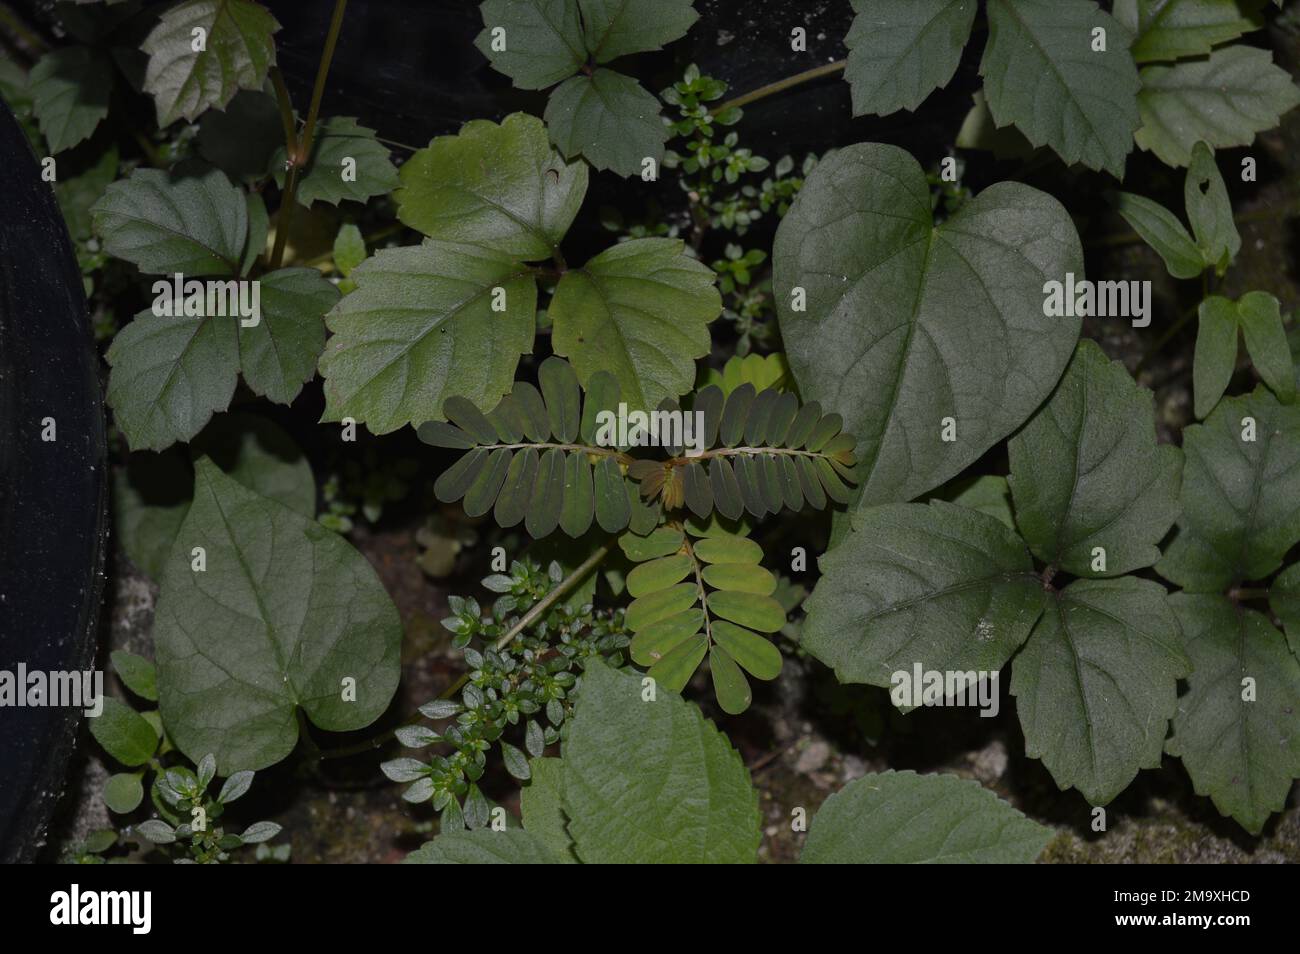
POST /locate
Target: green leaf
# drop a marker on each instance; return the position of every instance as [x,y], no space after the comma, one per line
[1284,601]
[1174,29]
[1161,230]
[349,252]
[609,119]
[907,323]
[542,805]
[1215,357]
[499,186]
[1241,497]
[659,543]
[169,375]
[1260,317]
[513,846]
[614,28]
[1087,475]
[900,53]
[193,221]
[420,328]
[330,177]
[877,819]
[1096,684]
[761,370]
[639,310]
[1042,74]
[1223,99]
[156,831]
[241,139]
[236,51]
[283,613]
[278,354]
[540,42]
[653,782]
[77,193]
[1242,754]
[137,674]
[1210,210]
[989,494]
[938,585]
[124,733]
[123,792]
[69,91]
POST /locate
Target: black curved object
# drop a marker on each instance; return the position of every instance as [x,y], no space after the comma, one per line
[53,494]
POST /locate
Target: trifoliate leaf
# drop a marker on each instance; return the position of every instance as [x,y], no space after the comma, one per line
[513,846]
[653,782]
[907,325]
[639,310]
[191,221]
[875,820]
[1174,29]
[69,89]
[1241,495]
[1096,684]
[203,51]
[1223,99]
[284,614]
[936,585]
[422,327]
[278,354]
[241,139]
[536,43]
[124,733]
[1043,72]
[541,803]
[169,375]
[1237,729]
[609,119]
[499,186]
[900,53]
[1161,230]
[1094,494]
[614,28]
[347,162]
[1210,210]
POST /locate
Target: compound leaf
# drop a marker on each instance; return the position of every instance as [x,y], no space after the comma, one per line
[609,119]
[69,89]
[614,28]
[1174,29]
[536,43]
[278,354]
[347,162]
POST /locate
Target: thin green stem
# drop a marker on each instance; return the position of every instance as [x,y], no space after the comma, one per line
[285,102]
[780,86]
[535,613]
[299,157]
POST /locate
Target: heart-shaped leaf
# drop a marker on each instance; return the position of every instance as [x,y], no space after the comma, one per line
[281,614]
[907,325]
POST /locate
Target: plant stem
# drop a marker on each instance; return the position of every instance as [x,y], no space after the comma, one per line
[299,156]
[11,22]
[538,610]
[286,113]
[780,86]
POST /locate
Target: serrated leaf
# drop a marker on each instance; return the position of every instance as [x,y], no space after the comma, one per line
[1174,29]
[639,310]
[1088,476]
[1161,230]
[193,221]
[1223,99]
[237,50]
[542,40]
[419,328]
[513,846]
[1042,74]
[609,119]
[614,28]
[1096,684]
[137,674]
[124,733]
[900,53]
[653,782]
[907,323]
[1241,498]
[1243,754]
[937,585]
[279,354]
[541,804]
[874,820]
[500,186]
[347,162]
[283,613]
[69,90]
